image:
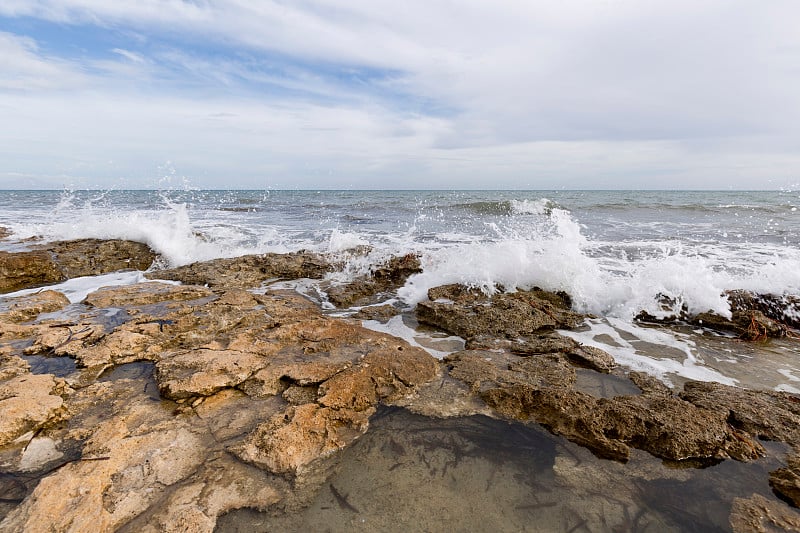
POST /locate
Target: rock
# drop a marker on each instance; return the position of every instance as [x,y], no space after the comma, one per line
[11,365]
[524,345]
[765,414]
[28,402]
[785,482]
[384,278]
[204,372]
[22,270]
[289,442]
[248,271]
[58,261]
[91,257]
[593,358]
[145,293]
[783,308]
[4,232]
[469,313]
[758,514]
[381,313]
[25,308]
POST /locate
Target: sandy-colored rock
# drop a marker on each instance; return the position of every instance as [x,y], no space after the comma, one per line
[591,357]
[204,372]
[248,271]
[22,270]
[766,414]
[289,442]
[11,365]
[91,257]
[25,308]
[28,402]
[126,466]
[760,515]
[144,293]
[381,313]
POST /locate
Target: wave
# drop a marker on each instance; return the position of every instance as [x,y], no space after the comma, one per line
[542,206]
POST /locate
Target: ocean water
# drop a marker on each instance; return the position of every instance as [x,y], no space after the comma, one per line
[616,252]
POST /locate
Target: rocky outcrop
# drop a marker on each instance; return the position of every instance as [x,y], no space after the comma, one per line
[540,388]
[248,271]
[22,270]
[4,232]
[469,313]
[753,316]
[25,308]
[785,482]
[58,261]
[383,279]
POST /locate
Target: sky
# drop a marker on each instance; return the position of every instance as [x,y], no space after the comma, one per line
[374,94]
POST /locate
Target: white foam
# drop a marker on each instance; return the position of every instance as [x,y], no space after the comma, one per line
[76,289]
[625,351]
[396,327]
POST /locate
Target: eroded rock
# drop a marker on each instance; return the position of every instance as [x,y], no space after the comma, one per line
[760,515]
[785,482]
[470,313]
[22,270]
[384,278]
[28,402]
[25,308]
[248,271]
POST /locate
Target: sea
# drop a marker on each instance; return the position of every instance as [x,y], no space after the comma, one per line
[617,253]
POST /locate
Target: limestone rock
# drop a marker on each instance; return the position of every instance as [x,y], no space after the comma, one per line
[4,232]
[248,271]
[91,257]
[386,277]
[760,515]
[289,442]
[469,313]
[25,308]
[786,481]
[204,372]
[28,402]
[381,313]
[143,294]
[22,270]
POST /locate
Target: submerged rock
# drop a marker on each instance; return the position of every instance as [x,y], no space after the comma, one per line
[4,232]
[760,515]
[248,271]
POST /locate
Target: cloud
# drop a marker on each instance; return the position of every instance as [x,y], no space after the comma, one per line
[430,91]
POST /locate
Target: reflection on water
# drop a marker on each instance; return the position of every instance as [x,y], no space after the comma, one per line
[413,473]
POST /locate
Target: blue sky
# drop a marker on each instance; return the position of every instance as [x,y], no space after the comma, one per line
[374,94]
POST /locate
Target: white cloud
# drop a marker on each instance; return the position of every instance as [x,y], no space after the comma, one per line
[527,92]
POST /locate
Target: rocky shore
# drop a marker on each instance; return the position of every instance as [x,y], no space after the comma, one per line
[162,407]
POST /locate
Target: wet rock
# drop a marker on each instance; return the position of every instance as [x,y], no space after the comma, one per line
[28,402]
[25,308]
[765,414]
[666,427]
[381,313]
[58,261]
[469,313]
[23,270]
[91,257]
[11,365]
[383,279]
[144,293]
[758,514]
[248,271]
[290,441]
[593,358]
[785,482]
[524,345]
[783,308]
[4,232]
